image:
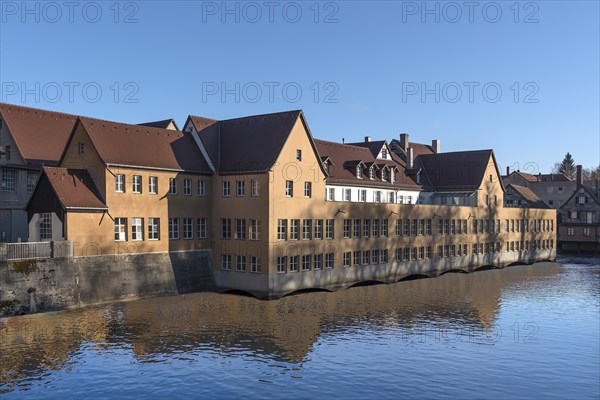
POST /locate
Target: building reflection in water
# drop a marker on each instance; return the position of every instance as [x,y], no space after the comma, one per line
[285,330]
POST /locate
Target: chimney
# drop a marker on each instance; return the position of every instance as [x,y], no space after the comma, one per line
[579,177]
[539,176]
[435,145]
[409,158]
[507,171]
[404,141]
[367,139]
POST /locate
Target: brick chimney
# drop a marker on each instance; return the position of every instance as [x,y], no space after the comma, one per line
[409,158]
[507,170]
[367,139]
[404,141]
[579,176]
[435,145]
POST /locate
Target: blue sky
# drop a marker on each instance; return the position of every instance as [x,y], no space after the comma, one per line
[523,80]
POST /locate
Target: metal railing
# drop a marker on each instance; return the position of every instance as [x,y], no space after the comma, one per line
[35,250]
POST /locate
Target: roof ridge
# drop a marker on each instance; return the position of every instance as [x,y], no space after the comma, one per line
[138,127]
[260,115]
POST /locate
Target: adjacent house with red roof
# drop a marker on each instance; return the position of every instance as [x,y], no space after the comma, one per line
[30,138]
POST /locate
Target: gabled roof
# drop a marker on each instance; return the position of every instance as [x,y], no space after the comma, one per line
[542,177]
[140,146]
[374,147]
[418,149]
[164,124]
[247,144]
[345,157]
[529,196]
[74,188]
[461,170]
[576,192]
[40,135]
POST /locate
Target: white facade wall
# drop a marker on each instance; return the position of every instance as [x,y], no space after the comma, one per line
[34,229]
[400,196]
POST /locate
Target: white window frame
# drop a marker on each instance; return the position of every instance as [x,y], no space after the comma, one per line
[137,229]
[120,183]
[136,184]
[308,190]
[153,184]
[153,228]
[187,187]
[188,228]
[172,186]
[240,188]
[173,228]
[254,188]
[120,229]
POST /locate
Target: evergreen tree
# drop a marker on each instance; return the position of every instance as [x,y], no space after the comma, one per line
[567,166]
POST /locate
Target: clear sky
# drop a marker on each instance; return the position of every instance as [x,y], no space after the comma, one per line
[519,77]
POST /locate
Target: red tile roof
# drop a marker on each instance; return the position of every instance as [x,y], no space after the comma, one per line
[543,177]
[528,195]
[140,146]
[345,157]
[164,124]
[418,149]
[247,144]
[40,135]
[74,188]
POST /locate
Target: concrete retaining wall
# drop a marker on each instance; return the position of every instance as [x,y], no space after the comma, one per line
[58,283]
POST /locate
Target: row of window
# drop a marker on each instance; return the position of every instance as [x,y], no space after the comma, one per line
[307,229]
[525,225]
[585,231]
[136,185]
[379,196]
[9,180]
[241,262]
[240,188]
[357,258]
[252,229]
[151,230]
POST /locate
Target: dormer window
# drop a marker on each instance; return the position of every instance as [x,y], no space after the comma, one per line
[384,175]
[392,175]
[359,172]
[326,167]
[419,178]
[372,173]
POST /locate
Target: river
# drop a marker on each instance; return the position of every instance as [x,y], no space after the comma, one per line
[520,332]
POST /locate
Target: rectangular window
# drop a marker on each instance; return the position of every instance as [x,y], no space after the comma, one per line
[357,258]
[307,189]
[391,197]
[255,229]
[414,253]
[81,147]
[318,261]
[363,195]
[428,227]
[120,229]
[357,229]
[306,229]
[254,188]
[446,227]
[201,227]
[153,228]
[45,226]
[384,228]
[153,185]
[329,260]
[398,255]
[172,186]
[282,229]
[398,227]
[225,188]
[366,228]
[201,187]
[298,155]
[318,229]
[378,196]
[375,230]
[136,184]
[406,254]
[329,229]
[240,229]
[428,252]
[294,229]
[384,256]
[331,194]
[421,227]
[173,228]
[240,188]
[240,264]
[346,259]
[32,178]
[226,262]
[347,194]
[225,228]
[281,265]
[366,257]
[452,227]
[119,183]
[254,264]
[137,228]
[306,261]
[347,228]
[289,188]
[187,187]
[413,227]
[294,263]
[6,148]
[406,227]
[374,257]
[421,253]
[188,228]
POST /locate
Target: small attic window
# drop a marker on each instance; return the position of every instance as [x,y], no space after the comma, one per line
[372,173]
[384,175]
[384,152]
[81,147]
[358,172]
[298,155]
[491,179]
[326,167]
[392,175]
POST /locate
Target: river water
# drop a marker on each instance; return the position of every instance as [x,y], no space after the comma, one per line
[520,332]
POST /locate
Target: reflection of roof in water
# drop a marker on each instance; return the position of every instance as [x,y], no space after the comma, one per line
[229,325]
